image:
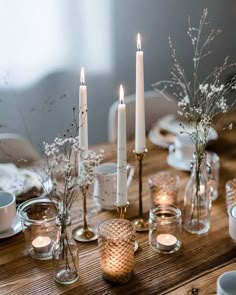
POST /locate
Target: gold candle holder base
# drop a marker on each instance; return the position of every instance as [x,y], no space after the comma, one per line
[85,233]
[88,234]
[121,211]
[141,225]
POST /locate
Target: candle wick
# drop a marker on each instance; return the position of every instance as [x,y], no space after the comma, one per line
[139,48]
[82,83]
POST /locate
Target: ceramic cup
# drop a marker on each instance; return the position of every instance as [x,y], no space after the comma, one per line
[226,283]
[7,210]
[183,148]
[232,221]
[105,184]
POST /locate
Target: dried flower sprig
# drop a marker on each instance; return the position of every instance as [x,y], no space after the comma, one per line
[69,173]
[87,167]
[199,100]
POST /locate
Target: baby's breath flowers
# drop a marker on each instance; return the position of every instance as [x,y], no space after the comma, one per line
[62,158]
[69,172]
[199,99]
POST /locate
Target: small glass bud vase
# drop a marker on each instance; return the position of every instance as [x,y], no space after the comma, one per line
[165,229]
[65,254]
[197,199]
[116,246]
[213,161]
[38,218]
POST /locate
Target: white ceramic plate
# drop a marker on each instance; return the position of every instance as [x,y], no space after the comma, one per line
[171,125]
[178,164]
[15,229]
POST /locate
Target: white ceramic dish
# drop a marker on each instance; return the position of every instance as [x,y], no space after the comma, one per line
[14,230]
[171,126]
[177,164]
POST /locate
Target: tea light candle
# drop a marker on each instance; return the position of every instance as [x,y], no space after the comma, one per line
[41,244]
[232,221]
[166,242]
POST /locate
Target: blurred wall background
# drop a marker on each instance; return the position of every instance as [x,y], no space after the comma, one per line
[44,43]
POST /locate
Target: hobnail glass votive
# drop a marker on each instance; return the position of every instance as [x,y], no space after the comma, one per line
[165,229]
[163,188]
[38,218]
[230,189]
[116,245]
[213,161]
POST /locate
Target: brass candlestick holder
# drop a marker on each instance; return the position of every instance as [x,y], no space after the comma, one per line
[121,211]
[85,233]
[141,224]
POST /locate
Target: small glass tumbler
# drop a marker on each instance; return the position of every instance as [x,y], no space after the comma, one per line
[230,189]
[116,245]
[163,188]
[38,218]
[213,161]
[165,229]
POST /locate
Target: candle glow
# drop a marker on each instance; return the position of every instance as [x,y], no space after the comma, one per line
[41,244]
[166,241]
[121,94]
[139,42]
[82,76]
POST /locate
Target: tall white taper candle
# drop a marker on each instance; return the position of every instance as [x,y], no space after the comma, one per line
[140,138]
[83,116]
[121,198]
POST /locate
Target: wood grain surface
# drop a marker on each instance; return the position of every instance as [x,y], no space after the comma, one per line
[194,269]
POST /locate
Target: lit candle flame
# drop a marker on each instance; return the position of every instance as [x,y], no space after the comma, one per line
[121,94]
[82,76]
[138,42]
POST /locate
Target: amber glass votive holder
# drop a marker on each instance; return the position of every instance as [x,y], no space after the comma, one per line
[163,188]
[38,219]
[116,245]
[165,229]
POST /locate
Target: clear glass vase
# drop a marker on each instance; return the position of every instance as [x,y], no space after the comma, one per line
[197,200]
[65,254]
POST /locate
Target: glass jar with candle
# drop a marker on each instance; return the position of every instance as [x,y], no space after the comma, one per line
[165,228]
[116,246]
[38,218]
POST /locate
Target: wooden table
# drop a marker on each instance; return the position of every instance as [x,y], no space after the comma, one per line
[192,270]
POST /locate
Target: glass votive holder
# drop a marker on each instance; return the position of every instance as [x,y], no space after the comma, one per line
[230,189]
[163,188]
[213,161]
[116,246]
[38,218]
[165,228]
